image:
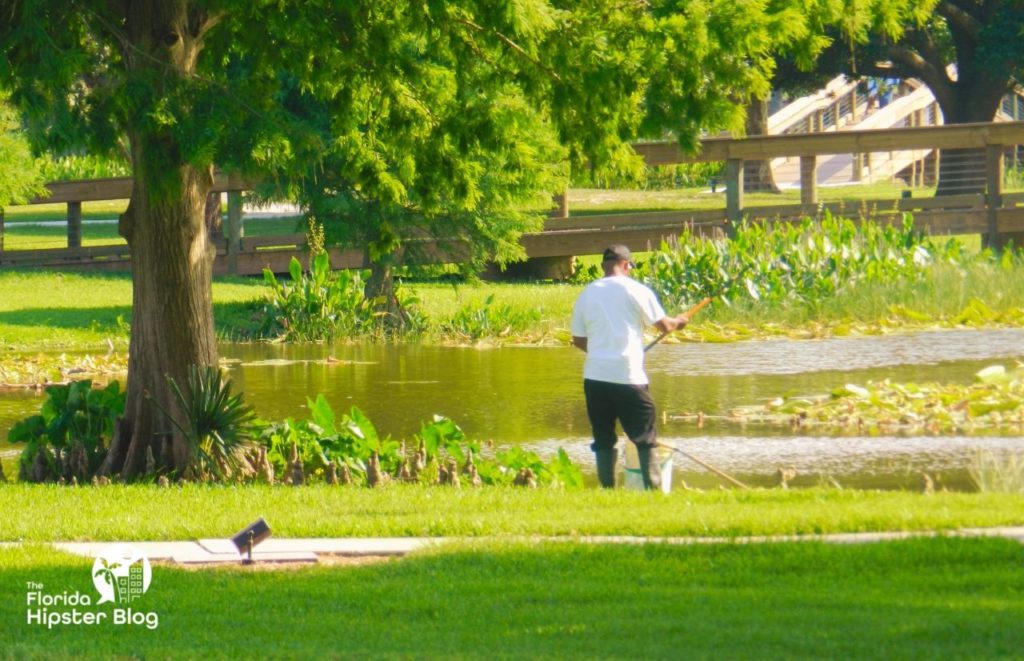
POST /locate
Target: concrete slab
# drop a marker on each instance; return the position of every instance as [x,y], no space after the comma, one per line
[1011,532]
[152,550]
[351,546]
[220,546]
[214,551]
[204,558]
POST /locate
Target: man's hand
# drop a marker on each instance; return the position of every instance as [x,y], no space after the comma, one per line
[669,324]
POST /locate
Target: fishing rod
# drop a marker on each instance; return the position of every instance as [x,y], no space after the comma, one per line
[706,301]
[705,464]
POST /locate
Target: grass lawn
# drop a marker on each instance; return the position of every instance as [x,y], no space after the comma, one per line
[79,311]
[938,598]
[596,200]
[144,512]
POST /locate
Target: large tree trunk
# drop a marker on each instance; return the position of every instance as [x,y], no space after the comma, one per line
[381,286]
[974,99]
[172,256]
[757,175]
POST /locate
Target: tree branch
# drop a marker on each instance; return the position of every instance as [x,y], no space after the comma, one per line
[958,17]
[935,78]
[512,45]
[928,52]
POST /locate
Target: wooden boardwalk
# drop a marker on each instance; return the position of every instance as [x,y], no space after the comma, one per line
[993,213]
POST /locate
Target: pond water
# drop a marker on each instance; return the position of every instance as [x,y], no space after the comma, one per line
[533,396]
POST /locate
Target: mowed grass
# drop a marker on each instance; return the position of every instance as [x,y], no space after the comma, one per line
[588,201]
[41,311]
[935,598]
[31,235]
[147,512]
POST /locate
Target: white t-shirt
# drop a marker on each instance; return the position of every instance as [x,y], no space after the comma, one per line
[612,313]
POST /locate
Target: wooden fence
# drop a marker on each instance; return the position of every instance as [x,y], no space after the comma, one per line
[994,214]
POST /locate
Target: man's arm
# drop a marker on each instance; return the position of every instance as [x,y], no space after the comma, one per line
[579,343]
[669,324]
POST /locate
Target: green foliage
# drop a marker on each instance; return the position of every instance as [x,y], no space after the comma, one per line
[352,439]
[475,321]
[86,166]
[998,472]
[323,438]
[74,417]
[805,263]
[318,304]
[217,425]
[912,38]
[994,403]
[654,177]
[20,178]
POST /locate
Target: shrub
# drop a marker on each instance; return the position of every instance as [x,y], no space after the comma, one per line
[475,321]
[68,439]
[805,262]
[217,424]
[319,304]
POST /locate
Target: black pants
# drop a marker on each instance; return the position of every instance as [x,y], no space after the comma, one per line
[631,405]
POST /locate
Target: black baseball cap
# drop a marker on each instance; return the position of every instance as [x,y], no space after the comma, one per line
[618,253]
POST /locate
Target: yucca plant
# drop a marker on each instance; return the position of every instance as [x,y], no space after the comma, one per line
[218,425]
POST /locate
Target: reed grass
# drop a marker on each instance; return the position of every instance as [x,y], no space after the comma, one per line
[998,472]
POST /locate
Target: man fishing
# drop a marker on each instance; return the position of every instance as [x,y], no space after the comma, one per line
[608,324]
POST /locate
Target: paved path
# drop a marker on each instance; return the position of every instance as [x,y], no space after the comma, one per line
[218,551]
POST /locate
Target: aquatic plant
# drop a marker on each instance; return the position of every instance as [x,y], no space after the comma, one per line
[475,321]
[318,304]
[68,439]
[321,304]
[326,442]
[994,402]
[803,262]
[1001,472]
[31,371]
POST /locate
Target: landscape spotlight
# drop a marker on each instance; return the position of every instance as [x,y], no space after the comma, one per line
[250,536]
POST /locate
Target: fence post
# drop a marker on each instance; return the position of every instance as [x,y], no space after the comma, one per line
[809,181]
[993,194]
[733,193]
[74,224]
[235,230]
[561,209]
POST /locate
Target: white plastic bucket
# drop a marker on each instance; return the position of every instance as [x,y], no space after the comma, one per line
[634,479]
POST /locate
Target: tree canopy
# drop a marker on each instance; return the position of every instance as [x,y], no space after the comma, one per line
[20,178]
[968,52]
[449,110]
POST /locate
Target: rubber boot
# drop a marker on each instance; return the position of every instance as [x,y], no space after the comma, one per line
[606,467]
[650,470]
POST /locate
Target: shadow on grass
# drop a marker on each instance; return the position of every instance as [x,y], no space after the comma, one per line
[96,318]
[235,320]
[933,598]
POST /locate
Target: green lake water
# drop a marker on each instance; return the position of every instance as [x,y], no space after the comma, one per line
[533,396]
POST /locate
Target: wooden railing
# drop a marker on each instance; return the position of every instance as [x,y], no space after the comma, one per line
[992,213]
